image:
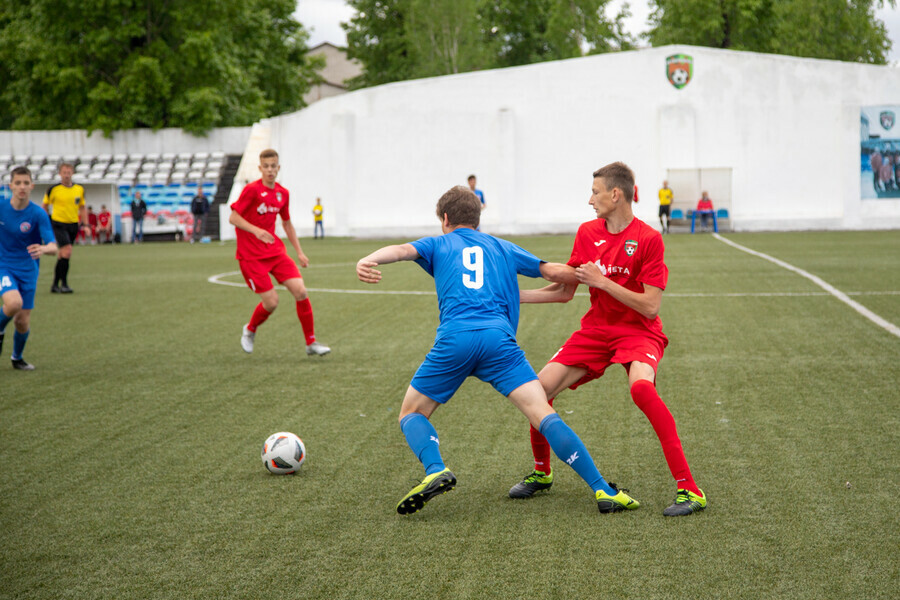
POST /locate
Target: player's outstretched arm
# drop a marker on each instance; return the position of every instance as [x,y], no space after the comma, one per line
[241,223]
[646,303]
[555,292]
[38,250]
[291,234]
[365,268]
[558,273]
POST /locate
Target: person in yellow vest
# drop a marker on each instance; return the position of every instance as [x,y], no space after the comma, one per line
[665,206]
[317,217]
[64,202]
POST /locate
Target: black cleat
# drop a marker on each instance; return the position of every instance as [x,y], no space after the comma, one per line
[64,289]
[534,482]
[55,289]
[21,365]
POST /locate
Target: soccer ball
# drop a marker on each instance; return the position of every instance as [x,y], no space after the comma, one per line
[680,76]
[283,453]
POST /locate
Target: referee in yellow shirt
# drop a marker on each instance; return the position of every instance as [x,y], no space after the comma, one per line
[665,206]
[64,202]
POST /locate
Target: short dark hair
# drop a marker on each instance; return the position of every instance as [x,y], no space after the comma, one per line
[470,178]
[20,171]
[617,175]
[268,153]
[461,206]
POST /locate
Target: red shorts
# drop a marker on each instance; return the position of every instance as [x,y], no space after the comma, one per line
[596,349]
[256,272]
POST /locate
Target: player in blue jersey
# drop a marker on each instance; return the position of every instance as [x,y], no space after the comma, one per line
[25,235]
[478,296]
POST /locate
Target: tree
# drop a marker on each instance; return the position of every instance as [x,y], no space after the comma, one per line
[376,36]
[836,29]
[119,64]
[444,37]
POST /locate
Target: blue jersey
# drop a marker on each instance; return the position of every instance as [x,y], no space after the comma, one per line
[475,277]
[480,195]
[20,229]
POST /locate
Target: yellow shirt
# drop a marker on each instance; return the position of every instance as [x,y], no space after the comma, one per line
[67,202]
[665,197]
[317,212]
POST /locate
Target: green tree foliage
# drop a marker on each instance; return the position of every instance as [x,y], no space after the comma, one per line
[401,39]
[836,29]
[119,64]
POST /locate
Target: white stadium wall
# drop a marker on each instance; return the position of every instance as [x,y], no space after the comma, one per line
[786,129]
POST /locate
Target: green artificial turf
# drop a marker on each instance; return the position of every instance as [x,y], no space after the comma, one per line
[129,460]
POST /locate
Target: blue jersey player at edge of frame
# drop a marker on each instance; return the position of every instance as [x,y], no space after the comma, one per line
[25,235]
[478,297]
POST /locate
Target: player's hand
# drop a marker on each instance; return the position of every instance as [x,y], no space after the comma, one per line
[35,250]
[591,274]
[303,260]
[366,271]
[265,237]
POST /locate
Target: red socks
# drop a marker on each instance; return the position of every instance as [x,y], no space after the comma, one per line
[305,314]
[540,447]
[644,395]
[260,314]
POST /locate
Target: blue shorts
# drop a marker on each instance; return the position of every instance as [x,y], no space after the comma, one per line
[15,280]
[491,355]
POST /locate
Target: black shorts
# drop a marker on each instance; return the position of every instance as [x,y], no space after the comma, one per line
[65,233]
[664,209]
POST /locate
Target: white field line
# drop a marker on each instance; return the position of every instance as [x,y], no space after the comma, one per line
[217,279]
[843,297]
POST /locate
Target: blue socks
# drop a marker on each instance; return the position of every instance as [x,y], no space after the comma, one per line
[423,441]
[569,448]
[19,340]
[4,320]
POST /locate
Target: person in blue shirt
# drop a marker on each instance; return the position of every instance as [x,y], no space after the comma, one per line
[25,235]
[475,276]
[472,183]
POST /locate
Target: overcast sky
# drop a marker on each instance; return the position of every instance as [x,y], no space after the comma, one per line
[322,19]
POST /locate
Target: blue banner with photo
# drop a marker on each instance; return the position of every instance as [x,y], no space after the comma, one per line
[879,148]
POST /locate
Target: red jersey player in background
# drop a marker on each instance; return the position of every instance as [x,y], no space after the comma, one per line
[104,225]
[260,252]
[621,259]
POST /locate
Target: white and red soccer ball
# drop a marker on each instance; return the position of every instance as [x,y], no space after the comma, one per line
[283,453]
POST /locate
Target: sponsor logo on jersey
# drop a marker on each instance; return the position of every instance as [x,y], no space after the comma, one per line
[25,227]
[887,119]
[600,243]
[607,270]
[630,247]
[679,70]
[264,208]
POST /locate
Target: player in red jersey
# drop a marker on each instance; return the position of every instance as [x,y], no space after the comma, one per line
[260,252]
[621,259]
[104,226]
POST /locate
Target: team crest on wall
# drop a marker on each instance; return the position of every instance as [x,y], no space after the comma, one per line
[887,119]
[679,69]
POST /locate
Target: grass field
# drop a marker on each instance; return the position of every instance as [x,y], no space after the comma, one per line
[129,460]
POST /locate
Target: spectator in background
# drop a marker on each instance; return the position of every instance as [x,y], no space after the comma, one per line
[476,191]
[138,210]
[199,208]
[317,218]
[104,226]
[887,173]
[876,161]
[705,210]
[665,206]
[89,229]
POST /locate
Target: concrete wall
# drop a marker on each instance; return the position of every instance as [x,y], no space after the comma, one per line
[787,128]
[230,140]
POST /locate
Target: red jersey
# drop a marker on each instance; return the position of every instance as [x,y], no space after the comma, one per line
[92,219]
[631,258]
[259,205]
[704,204]
[103,218]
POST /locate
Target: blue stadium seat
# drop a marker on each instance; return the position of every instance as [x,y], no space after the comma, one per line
[677,214]
[722,213]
